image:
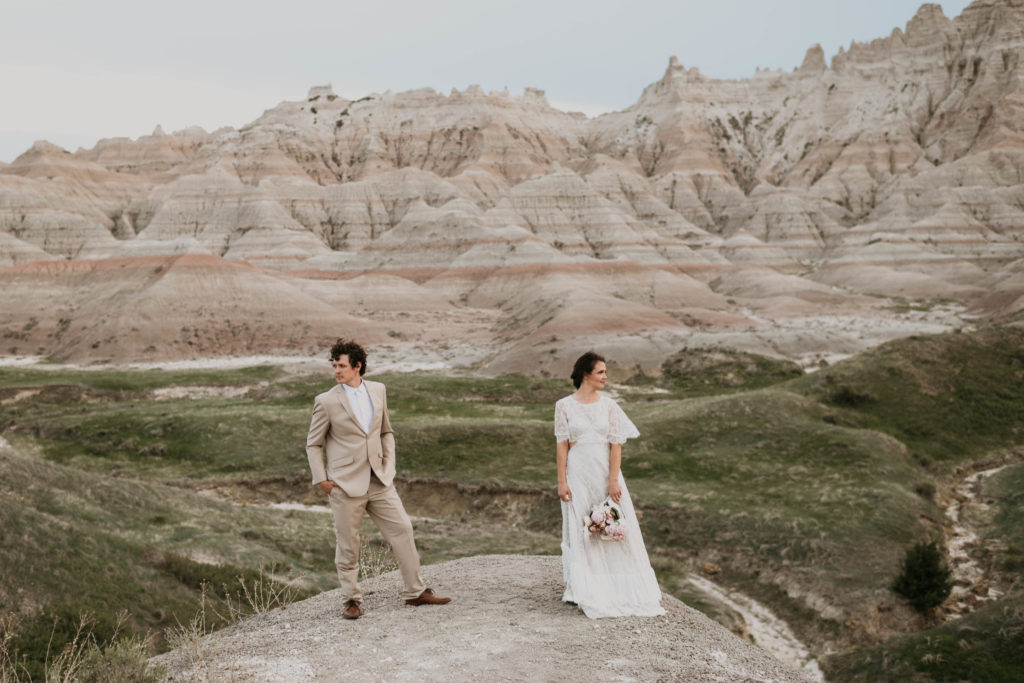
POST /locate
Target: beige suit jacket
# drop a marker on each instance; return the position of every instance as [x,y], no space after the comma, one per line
[350,452]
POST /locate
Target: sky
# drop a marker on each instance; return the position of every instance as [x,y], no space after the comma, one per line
[74,72]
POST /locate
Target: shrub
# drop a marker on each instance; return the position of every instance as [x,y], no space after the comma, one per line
[246,591]
[222,579]
[43,638]
[82,648]
[125,659]
[849,397]
[924,578]
[926,490]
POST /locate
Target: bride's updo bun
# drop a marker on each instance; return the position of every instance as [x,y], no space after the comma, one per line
[584,366]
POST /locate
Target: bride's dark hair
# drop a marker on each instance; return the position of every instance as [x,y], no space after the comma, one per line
[584,366]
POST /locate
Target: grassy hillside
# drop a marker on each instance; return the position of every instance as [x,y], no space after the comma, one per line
[949,398]
[713,372]
[74,542]
[460,427]
[805,490]
[1005,493]
[987,645]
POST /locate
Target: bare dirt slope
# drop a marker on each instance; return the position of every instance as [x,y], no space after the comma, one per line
[506,622]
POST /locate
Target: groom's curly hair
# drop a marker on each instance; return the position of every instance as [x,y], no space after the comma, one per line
[584,366]
[355,353]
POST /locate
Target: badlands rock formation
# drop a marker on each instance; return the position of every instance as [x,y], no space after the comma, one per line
[780,214]
[506,622]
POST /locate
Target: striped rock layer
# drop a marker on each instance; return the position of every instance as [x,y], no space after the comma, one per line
[781,213]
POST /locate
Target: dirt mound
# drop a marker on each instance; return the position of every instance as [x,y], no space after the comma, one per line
[697,368]
[506,622]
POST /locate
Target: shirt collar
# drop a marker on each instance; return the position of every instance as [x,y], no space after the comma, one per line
[360,388]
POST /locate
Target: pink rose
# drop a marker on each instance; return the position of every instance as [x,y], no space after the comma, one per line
[597,517]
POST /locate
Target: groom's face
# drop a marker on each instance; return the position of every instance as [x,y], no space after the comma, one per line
[344,373]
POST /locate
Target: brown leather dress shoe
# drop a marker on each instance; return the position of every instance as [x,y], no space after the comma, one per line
[351,610]
[427,597]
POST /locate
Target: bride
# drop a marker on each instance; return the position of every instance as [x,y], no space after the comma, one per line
[606,579]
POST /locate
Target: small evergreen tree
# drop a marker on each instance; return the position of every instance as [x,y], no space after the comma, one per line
[925,579]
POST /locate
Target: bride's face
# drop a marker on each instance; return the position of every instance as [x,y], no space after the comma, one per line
[597,378]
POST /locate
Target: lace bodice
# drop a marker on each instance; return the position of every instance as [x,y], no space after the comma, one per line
[600,422]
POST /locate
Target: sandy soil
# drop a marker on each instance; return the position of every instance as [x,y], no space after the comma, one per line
[506,623]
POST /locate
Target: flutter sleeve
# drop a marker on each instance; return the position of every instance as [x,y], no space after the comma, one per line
[561,423]
[620,427]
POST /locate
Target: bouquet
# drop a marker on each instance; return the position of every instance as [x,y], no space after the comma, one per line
[605,521]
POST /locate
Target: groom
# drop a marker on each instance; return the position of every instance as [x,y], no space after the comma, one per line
[350,424]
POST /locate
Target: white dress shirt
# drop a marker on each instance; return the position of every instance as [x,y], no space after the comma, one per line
[359,399]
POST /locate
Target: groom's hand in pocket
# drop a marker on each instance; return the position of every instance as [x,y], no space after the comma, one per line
[327,486]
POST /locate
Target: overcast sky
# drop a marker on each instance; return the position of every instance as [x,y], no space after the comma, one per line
[73,72]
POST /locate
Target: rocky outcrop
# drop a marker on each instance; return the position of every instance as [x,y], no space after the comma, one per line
[506,622]
[892,170]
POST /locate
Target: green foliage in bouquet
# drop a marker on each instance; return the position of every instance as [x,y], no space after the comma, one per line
[924,577]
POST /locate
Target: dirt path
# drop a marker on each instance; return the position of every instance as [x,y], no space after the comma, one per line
[972,583]
[768,631]
[506,623]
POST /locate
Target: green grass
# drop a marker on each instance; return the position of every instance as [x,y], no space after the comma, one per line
[264,433]
[120,380]
[84,512]
[1005,491]
[102,544]
[173,439]
[763,478]
[987,645]
[701,372]
[806,490]
[62,643]
[518,452]
[443,540]
[948,398]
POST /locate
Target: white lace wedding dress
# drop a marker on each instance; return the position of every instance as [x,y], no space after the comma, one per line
[605,578]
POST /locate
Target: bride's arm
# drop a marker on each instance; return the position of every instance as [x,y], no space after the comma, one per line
[562,447]
[561,459]
[614,463]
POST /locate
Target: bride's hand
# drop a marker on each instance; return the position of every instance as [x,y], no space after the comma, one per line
[564,494]
[614,491]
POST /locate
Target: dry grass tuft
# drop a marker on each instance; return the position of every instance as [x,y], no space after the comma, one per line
[375,560]
[84,660]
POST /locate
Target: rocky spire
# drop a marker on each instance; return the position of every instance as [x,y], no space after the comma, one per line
[318,91]
[814,60]
[926,24]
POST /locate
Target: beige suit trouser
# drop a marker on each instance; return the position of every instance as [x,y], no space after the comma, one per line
[388,514]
